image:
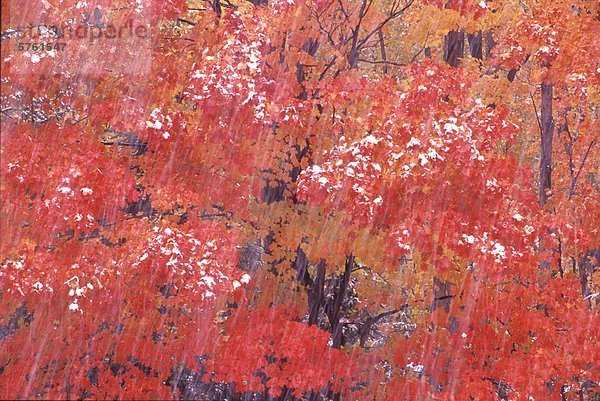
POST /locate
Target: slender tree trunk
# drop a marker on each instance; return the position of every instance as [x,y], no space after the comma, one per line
[311,46]
[547,133]
[454,47]
[335,309]
[316,294]
[301,267]
[383,54]
[475,45]
[354,50]
[489,44]
[588,265]
[216,6]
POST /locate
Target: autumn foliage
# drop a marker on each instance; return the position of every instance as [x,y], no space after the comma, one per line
[300,200]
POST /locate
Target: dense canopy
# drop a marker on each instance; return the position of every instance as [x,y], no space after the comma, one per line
[300,200]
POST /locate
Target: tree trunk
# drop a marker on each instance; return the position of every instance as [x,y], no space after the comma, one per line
[311,46]
[383,53]
[334,310]
[587,268]
[489,44]
[454,47]
[547,133]
[475,45]
[316,295]
[301,267]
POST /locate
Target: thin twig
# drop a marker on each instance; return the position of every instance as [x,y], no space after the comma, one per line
[536,113]
[383,62]
[572,191]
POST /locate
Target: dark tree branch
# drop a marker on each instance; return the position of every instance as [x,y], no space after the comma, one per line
[365,329]
[383,54]
[574,181]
